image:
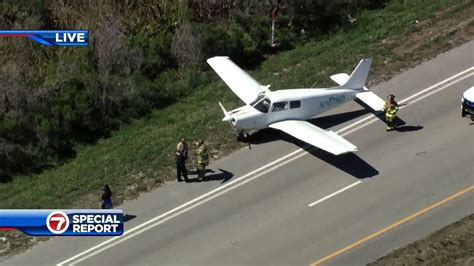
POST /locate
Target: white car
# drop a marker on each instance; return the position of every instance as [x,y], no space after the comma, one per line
[467,103]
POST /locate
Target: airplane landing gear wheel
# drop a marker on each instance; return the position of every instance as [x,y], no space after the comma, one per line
[242,136]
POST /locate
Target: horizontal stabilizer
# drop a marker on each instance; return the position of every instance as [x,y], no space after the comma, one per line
[371,99]
[367,97]
[340,78]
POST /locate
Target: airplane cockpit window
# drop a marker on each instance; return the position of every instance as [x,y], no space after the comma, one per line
[279,106]
[295,104]
[263,105]
[260,96]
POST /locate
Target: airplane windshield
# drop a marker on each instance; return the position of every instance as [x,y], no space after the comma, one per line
[263,105]
[260,96]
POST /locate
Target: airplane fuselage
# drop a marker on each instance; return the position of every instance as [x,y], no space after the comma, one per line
[294,104]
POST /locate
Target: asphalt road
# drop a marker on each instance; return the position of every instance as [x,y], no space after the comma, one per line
[256,210]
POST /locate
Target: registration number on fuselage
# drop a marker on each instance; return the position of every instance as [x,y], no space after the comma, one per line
[332,101]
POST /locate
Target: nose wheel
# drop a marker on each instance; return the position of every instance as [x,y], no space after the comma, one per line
[242,136]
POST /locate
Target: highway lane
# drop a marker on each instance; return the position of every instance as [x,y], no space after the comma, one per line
[269,222]
[262,221]
[370,247]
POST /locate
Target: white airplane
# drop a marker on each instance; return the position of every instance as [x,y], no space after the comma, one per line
[287,110]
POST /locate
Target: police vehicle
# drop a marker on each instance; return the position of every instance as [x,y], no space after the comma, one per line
[467,103]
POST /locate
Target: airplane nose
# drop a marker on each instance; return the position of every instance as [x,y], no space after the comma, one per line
[230,119]
[227,118]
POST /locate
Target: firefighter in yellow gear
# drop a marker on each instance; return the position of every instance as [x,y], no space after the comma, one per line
[390,108]
[202,159]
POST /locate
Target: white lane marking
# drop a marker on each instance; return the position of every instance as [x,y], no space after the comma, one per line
[437,84]
[373,120]
[187,206]
[177,209]
[185,209]
[334,193]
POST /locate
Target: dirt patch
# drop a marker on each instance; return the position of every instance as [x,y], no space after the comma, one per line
[424,40]
[452,245]
[441,26]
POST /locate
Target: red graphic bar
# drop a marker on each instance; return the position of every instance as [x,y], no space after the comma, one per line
[15,34]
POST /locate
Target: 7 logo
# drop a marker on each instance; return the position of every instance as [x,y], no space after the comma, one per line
[57,222]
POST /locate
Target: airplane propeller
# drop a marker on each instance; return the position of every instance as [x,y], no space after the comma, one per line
[227,117]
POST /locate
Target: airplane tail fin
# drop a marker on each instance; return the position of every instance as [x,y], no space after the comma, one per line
[358,77]
[356,81]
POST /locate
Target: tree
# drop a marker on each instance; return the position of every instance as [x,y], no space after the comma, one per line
[186,47]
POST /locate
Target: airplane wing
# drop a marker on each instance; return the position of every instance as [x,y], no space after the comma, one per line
[309,133]
[369,98]
[241,83]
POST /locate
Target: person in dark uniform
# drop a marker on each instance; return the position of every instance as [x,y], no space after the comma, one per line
[181,157]
[107,198]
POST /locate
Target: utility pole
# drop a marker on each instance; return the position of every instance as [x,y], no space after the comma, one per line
[274,17]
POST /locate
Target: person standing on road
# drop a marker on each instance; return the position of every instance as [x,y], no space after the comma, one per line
[107,198]
[181,157]
[390,108]
[202,159]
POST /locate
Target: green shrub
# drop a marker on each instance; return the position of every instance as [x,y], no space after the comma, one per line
[52,98]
